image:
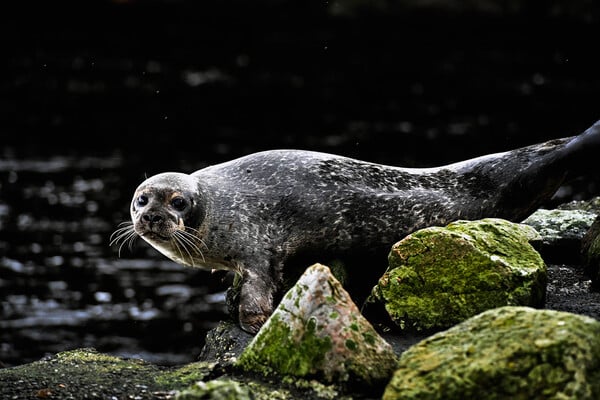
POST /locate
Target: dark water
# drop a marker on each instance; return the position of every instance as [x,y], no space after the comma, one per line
[95,100]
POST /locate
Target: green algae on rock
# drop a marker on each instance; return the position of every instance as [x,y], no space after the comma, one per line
[505,353]
[440,276]
[317,331]
[218,389]
[78,374]
[185,375]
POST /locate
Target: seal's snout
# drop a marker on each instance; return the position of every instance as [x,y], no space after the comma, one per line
[155,224]
[152,218]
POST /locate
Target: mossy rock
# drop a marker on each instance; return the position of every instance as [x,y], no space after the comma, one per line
[219,389]
[441,276]
[318,332]
[505,353]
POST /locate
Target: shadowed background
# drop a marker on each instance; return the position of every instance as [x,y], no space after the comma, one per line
[96,95]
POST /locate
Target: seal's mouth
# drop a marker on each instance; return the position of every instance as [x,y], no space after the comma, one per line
[155,236]
[155,232]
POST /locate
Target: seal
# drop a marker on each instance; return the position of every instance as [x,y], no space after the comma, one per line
[257,214]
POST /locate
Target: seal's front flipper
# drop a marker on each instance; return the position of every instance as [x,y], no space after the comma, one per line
[256,300]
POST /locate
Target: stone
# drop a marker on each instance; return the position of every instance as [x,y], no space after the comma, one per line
[590,252]
[505,353]
[561,232]
[224,343]
[218,389]
[440,276]
[592,205]
[318,332]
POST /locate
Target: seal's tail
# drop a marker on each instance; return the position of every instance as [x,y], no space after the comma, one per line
[528,177]
[584,148]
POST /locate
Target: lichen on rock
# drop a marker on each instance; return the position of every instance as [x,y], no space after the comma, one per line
[218,389]
[440,276]
[561,232]
[317,331]
[505,353]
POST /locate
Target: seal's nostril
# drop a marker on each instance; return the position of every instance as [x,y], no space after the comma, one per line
[151,218]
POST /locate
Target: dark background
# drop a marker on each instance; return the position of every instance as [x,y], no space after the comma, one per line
[96,95]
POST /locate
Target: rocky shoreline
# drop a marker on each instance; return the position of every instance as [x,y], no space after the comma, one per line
[323,360]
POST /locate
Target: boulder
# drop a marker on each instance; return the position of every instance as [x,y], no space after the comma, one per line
[505,353]
[440,276]
[317,331]
[561,232]
[590,252]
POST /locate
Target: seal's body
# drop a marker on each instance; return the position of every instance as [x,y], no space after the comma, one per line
[254,214]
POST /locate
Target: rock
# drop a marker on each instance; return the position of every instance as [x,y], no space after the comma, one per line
[220,389]
[87,374]
[317,331]
[80,374]
[505,353]
[592,205]
[561,232]
[590,252]
[224,343]
[438,277]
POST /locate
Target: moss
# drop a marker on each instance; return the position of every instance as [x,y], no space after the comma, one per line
[184,376]
[441,276]
[351,344]
[276,351]
[506,353]
[315,388]
[82,373]
[220,389]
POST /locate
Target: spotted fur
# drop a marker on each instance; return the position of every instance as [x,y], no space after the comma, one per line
[255,214]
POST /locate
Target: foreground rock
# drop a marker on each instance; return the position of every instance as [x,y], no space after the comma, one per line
[506,353]
[87,374]
[317,331]
[438,277]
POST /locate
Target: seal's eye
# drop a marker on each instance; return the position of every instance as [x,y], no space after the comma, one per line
[142,200]
[178,203]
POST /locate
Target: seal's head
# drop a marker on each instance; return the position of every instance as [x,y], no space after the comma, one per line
[166,211]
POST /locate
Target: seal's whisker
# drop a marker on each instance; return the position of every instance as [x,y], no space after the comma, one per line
[131,239]
[120,234]
[190,239]
[179,241]
[196,236]
[175,243]
[124,234]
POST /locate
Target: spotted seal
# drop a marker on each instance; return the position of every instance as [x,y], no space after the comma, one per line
[256,214]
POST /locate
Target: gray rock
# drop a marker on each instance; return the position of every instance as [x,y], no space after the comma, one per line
[561,232]
[590,252]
